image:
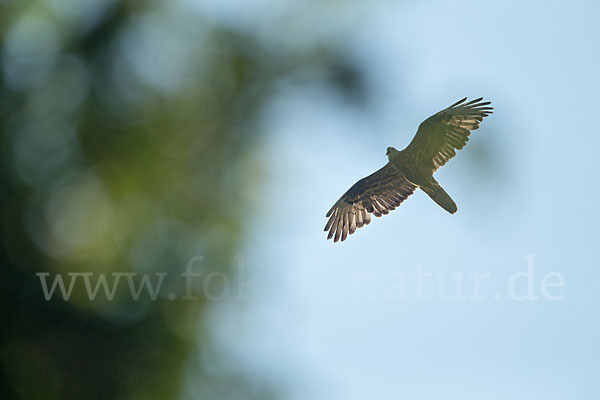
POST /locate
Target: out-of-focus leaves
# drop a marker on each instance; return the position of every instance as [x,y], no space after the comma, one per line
[127,140]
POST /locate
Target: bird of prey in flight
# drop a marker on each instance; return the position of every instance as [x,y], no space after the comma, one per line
[381,192]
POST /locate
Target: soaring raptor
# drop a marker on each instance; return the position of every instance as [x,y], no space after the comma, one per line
[434,144]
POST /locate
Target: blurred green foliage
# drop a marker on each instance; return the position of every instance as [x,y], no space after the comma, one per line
[128,138]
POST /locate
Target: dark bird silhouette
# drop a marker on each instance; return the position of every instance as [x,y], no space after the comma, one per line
[436,142]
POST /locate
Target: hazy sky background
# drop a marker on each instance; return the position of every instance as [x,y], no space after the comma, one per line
[526,184]
[142,136]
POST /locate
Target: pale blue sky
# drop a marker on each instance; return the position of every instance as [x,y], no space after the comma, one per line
[311,330]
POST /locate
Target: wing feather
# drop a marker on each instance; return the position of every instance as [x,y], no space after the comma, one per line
[440,135]
[378,194]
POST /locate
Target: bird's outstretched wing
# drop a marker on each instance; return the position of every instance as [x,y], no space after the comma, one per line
[378,193]
[441,134]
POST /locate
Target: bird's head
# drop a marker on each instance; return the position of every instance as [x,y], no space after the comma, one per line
[390,151]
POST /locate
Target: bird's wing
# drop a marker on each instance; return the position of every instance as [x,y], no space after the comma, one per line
[378,193]
[441,134]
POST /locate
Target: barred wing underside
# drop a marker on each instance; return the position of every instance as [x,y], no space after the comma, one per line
[440,135]
[378,193]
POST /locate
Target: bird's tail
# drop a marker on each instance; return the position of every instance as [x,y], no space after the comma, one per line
[439,195]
